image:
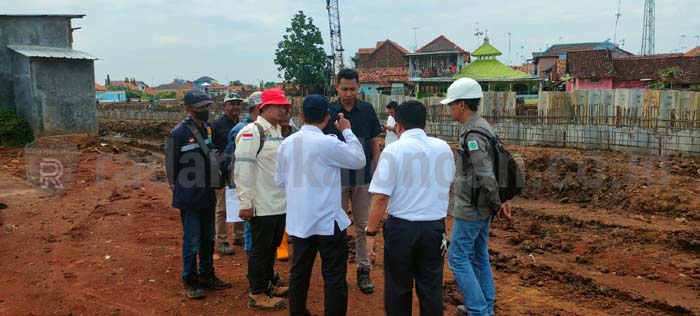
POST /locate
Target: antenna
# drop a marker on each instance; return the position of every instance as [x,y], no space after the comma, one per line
[510,56]
[681,47]
[415,38]
[478,33]
[617,19]
[649,33]
[697,40]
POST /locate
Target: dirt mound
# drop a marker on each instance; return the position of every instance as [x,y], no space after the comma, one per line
[638,183]
[136,129]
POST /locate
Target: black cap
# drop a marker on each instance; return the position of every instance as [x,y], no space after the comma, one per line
[392,105]
[197,98]
[315,107]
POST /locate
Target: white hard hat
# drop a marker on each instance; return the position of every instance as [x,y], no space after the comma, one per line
[463,88]
[255,99]
[232,97]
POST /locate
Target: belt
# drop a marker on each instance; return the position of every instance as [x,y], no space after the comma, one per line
[392,217]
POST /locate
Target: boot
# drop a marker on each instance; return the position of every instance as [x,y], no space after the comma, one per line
[192,288]
[263,301]
[364,281]
[225,249]
[209,281]
[279,291]
[283,249]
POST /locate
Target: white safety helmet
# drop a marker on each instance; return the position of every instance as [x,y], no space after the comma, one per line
[463,88]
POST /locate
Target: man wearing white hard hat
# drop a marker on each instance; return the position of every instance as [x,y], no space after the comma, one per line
[476,201]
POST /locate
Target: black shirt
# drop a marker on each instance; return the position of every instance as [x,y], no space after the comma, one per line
[365,125]
[222,126]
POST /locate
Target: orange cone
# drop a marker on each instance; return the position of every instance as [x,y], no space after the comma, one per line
[283,249]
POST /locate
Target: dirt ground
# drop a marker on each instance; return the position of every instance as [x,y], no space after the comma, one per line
[596,233]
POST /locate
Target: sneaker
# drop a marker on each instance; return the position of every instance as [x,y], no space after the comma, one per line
[192,288]
[263,301]
[462,310]
[209,281]
[225,249]
[279,291]
[364,282]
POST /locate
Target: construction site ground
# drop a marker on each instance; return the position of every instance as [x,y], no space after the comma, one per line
[595,233]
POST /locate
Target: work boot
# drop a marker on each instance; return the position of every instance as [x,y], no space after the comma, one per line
[364,282]
[209,281]
[279,291]
[225,249]
[263,301]
[462,310]
[192,288]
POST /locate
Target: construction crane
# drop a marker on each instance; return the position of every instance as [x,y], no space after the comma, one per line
[649,35]
[336,40]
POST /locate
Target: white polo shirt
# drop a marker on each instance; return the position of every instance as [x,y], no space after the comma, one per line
[416,172]
[308,167]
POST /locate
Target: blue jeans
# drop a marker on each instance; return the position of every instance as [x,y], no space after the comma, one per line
[469,261]
[197,238]
[247,238]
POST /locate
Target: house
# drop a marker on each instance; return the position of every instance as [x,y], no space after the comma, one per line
[496,76]
[693,52]
[43,78]
[600,69]
[551,64]
[383,69]
[124,84]
[179,86]
[433,66]
[110,96]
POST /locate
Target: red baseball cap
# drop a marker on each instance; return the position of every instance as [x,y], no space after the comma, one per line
[274,96]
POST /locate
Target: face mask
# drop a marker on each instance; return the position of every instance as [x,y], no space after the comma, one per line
[202,116]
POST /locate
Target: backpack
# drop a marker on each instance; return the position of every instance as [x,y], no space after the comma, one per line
[508,174]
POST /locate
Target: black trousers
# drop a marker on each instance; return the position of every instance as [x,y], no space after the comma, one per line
[412,252]
[334,266]
[266,232]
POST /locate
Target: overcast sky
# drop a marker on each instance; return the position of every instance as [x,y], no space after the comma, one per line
[158,40]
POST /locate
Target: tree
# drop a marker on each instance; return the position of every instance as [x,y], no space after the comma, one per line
[668,75]
[235,83]
[269,84]
[300,54]
[126,79]
[107,81]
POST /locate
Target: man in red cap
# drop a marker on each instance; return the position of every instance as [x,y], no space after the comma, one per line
[262,203]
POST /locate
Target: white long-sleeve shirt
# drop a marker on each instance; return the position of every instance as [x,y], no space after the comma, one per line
[254,173]
[308,167]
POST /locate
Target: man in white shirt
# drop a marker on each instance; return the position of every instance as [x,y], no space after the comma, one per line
[308,167]
[412,182]
[390,126]
[262,203]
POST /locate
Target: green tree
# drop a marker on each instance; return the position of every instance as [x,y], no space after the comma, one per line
[126,79]
[235,83]
[107,81]
[669,75]
[269,84]
[300,56]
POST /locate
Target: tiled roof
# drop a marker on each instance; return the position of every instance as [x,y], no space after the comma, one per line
[383,76]
[175,85]
[127,85]
[693,52]
[440,44]
[561,49]
[99,87]
[590,63]
[597,63]
[363,51]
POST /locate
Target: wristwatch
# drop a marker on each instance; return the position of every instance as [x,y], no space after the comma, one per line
[369,233]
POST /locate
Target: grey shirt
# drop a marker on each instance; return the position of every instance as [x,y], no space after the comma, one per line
[475,174]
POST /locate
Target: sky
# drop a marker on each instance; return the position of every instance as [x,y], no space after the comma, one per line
[158,40]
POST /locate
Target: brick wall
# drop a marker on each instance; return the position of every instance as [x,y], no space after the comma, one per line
[385,56]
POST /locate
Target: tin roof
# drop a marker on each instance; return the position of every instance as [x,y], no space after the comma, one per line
[70,16]
[50,52]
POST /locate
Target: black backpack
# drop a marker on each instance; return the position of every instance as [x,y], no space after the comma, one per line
[508,173]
